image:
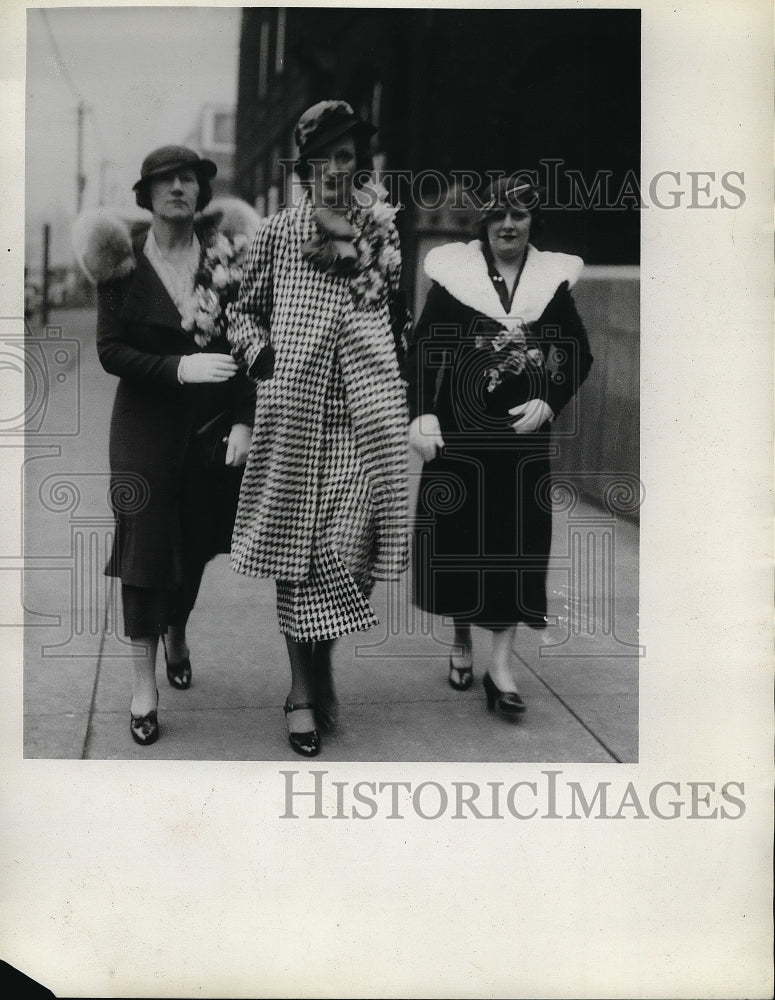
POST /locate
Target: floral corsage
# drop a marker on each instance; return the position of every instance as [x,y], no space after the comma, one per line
[361,244]
[379,255]
[513,370]
[216,285]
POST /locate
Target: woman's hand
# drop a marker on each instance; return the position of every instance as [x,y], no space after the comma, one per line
[238,445]
[206,368]
[531,415]
[425,436]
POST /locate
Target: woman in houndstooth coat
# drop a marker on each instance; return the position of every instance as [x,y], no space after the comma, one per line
[323,505]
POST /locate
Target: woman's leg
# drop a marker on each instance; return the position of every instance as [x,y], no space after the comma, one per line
[143,612]
[462,651]
[175,642]
[461,658]
[302,685]
[144,695]
[501,671]
[325,692]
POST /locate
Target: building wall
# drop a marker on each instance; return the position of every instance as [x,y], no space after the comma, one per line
[601,451]
[554,91]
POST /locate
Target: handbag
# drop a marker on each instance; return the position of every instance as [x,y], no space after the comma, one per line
[213,439]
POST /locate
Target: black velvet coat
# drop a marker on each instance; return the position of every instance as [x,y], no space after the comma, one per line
[171,509]
[483,525]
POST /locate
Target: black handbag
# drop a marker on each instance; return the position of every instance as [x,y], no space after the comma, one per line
[213,439]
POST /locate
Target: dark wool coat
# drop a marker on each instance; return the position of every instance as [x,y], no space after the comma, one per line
[482,532]
[171,510]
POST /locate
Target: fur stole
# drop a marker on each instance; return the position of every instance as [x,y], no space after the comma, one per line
[461,269]
[104,240]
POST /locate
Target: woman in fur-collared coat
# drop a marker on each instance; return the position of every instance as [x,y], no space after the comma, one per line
[173,491]
[498,351]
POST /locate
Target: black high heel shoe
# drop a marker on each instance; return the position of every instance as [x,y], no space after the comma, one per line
[464,678]
[508,703]
[178,674]
[145,728]
[306,744]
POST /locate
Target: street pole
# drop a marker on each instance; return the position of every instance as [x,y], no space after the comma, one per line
[103,174]
[44,285]
[80,179]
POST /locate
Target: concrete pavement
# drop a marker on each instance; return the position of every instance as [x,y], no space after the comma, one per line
[579,677]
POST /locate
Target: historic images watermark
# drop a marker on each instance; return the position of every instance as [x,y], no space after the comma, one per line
[555,187]
[315,795]
[66,521]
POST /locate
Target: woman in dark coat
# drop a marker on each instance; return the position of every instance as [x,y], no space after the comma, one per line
[174,507]
[498,351]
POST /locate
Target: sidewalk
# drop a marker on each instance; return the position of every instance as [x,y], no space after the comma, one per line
[579,677]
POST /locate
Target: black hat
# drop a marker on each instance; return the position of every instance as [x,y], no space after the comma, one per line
[509,192]
[168,158]
[326,121]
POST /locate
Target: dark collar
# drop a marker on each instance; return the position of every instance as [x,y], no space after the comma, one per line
[147,300]
[499,282]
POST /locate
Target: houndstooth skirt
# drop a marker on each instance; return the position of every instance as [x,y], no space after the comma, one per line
[333,600]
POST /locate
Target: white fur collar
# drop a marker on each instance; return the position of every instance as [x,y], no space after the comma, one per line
[461,269]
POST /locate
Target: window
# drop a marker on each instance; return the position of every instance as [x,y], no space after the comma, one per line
[279,52]
[376,103]
[259,178]
[223,128]
[263,60]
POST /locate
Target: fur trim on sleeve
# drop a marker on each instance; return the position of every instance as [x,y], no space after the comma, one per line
[103,238]
[230,216]
[102,242]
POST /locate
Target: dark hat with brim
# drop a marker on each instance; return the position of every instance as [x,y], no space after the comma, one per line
[509,192]
[324,122]
[167,159]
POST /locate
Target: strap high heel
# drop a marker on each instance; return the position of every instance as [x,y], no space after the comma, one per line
[508,703]
[178,674]
[460,678]
[145,728]
[306,744]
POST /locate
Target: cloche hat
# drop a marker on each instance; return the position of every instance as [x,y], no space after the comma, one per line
[168,158]
[326,121]
[509,192]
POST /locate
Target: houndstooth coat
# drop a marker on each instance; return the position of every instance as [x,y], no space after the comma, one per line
[314,325]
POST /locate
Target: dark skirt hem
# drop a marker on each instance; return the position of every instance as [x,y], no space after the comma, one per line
[535,622]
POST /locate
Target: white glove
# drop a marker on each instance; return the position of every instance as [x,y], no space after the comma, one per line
[425,436]
[206,368]
[531,415]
